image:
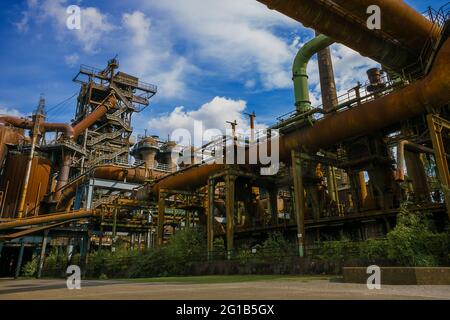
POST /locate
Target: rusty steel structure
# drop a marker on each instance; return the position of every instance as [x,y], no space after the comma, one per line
[345,166]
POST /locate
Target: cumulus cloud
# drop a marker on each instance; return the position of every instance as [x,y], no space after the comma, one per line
[213,115]
[238,37]
[94,24]
[10,112]
[152,57]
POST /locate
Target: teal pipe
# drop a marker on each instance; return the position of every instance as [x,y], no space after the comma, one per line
[300,76]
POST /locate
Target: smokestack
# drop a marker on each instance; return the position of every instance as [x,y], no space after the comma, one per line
[327,83]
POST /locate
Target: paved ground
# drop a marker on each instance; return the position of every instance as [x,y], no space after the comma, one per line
[284,289]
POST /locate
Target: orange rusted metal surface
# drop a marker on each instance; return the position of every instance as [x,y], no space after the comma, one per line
[8,136]
[413,100]
[108,172]
[343,29]
[11,184]
[44,126]
[57,217]
[419,28]
[100,111]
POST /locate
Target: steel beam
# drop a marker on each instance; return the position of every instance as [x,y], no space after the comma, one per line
[230,186]
[436,125]
[161,217]
[42,255]
[210,218]
[19,260]
[299,200]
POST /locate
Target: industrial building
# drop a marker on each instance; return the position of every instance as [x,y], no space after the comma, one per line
[345,168]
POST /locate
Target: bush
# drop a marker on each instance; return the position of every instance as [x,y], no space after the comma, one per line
[30,268]
[413,242]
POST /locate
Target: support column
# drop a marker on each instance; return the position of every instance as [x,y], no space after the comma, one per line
[84,251]
[436,125]
[19,260]
[299,200]
[273,205]
[362,187]
[230,211]
[114,230]
[210,219]
[416,172]
[161,218]
[42,255]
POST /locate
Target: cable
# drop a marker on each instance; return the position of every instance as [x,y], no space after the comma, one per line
[60,103]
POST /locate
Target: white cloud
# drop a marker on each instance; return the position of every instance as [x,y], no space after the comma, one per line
[72,59]
[236,36]
[139,24]
[10,112]
[213,115]
[94,24]
[152,57]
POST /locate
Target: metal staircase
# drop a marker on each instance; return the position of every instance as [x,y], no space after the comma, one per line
[107,157]
[104,136]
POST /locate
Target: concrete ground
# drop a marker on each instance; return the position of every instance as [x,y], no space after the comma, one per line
[293,288]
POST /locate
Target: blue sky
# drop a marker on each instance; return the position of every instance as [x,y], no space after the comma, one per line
[212,59]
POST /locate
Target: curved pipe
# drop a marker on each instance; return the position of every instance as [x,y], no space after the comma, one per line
[44,126]
[100,111]
[328,21]
[396,14]
[432,91]
[299,73]
[109,172]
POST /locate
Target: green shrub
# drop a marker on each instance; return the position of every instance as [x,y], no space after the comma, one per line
[413,242]
[30,268]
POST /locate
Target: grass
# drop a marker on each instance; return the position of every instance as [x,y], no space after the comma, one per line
[228,278]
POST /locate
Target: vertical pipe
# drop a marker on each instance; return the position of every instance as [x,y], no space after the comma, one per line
[19,260]
[273,205]
[210,221]
[299,70]
[416,172]
[42,255]
[299,200]
[362,187]
[63,174]
[161,211]
[26,178]
[230,211]
[114,230]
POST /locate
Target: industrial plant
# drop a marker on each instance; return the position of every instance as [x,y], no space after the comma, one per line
[345,166]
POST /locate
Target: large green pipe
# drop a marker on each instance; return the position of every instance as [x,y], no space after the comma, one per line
[300,75]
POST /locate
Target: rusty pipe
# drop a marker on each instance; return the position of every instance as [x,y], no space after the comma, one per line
[100,111]
[328,21]
[22,123]
[400,171]
[46,219]
[66,129]
[63,174]
[432,91]
[395,15]
[110,172]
